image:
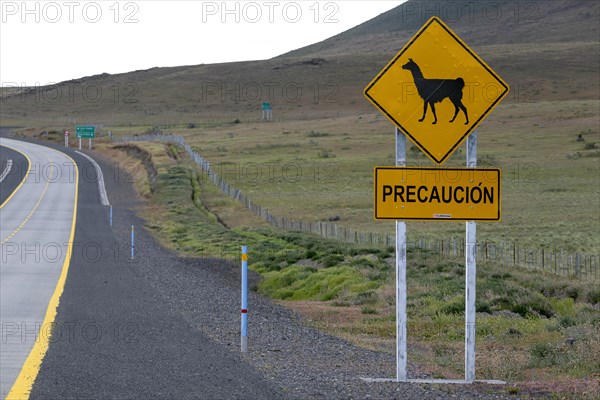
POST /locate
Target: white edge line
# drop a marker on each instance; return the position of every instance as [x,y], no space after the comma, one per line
[101,187]
[7,169]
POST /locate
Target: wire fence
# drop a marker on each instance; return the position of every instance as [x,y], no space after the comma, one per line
[534,257]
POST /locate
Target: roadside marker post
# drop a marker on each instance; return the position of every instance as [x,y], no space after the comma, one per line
[244,310]
[132,241]
[79,144]
[66,138]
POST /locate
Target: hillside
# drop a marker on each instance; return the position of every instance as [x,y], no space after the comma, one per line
[532,45]
[480,24]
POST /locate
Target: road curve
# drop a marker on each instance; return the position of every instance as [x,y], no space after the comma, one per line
[37,224]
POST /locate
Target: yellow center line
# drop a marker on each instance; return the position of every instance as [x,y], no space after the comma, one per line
[37,204]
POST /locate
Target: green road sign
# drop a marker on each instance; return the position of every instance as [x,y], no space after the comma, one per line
[85,132]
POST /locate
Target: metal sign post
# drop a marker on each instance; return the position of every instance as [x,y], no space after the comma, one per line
[401,297]
[470,279]
[470,274]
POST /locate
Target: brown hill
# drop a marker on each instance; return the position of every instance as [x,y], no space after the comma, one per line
[546,50]
[480,24]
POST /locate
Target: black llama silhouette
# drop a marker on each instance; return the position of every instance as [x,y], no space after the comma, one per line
[435,90]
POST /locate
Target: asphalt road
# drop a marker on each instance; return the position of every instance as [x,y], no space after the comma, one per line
[13,167]
[36,227]
[114,335]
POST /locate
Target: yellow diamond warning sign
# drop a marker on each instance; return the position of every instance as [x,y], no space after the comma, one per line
[449,194]
[436,90]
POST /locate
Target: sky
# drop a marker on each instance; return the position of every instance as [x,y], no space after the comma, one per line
[44,42]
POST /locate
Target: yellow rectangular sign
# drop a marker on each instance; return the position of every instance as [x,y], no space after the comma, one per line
[435,194]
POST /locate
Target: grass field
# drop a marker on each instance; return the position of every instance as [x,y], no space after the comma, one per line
[315,169]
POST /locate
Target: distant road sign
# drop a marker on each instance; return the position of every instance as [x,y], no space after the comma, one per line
[448,194]
[266,106]
[436,90]
[85,132]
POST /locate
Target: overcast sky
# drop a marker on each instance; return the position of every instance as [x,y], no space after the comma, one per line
[43,42]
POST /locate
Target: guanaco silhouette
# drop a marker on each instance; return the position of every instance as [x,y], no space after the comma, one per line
[435,90]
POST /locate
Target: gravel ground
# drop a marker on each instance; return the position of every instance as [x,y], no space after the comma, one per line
[303,362]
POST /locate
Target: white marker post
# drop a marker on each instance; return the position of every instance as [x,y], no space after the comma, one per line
[244,311]
[132,242]
[401,297]
[90,143]
[79,144]
[470,275]
[66,138]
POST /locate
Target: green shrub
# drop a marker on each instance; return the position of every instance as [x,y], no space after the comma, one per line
[567,321]
[454,306]
[593,296]
[564,307]
[331,260]
[543,355]
[520,309]
[541,306]
[572,292]
[483,307]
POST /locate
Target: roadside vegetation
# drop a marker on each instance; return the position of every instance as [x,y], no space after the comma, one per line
[534,330]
